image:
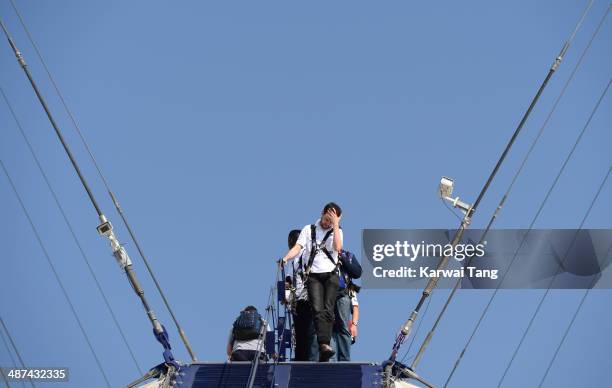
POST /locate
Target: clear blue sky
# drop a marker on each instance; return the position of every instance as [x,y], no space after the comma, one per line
[221,126]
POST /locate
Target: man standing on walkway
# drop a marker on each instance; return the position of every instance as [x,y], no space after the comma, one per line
[321,242]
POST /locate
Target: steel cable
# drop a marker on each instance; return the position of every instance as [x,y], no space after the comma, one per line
[72,232]
[512,183]
[540,208]
[105,182]
[56,275]
[550,283]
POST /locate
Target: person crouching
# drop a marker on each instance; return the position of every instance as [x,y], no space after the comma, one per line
[246,337]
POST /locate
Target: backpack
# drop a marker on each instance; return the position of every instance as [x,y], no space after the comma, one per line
[350,269]
[247,326]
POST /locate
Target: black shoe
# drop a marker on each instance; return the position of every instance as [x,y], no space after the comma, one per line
[325,352]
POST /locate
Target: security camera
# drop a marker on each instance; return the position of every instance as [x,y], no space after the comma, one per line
[446,187]
[105,228]
[446,190]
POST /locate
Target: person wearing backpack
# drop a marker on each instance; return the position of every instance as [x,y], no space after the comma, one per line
[246,336]
[344,326]
[321,243]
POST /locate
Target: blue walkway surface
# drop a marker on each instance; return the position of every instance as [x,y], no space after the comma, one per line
[286,374]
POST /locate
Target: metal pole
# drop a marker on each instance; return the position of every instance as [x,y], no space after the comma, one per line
[431,284]
[430,334]
[105,228]
[106,184]
[406,328]
[260,344]
[501,203]
[405,331]
[146,263]
[24,66]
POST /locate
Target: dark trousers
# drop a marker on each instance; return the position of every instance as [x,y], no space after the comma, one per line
[302,319]
[322,291]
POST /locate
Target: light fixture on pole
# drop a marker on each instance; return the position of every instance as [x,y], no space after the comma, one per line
[446,190]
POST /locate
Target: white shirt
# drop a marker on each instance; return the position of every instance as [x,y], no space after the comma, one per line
[321,262]
[244,345]
[247,344]
[354,301]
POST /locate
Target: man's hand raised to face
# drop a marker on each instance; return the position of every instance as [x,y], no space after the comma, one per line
[335,219]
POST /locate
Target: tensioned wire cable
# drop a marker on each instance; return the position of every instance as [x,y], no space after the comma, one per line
[550,283]
[14,346]
[8,350]
[11,357]
[105,228]
[541,207]
[432,283]
[418,328]
[569,326]
[13,362]
[6,383]
[552,280]
[71,229]
[56,275]
[514,179]
[105,182]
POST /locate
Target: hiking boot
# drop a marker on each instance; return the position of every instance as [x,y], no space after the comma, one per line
[325,352]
